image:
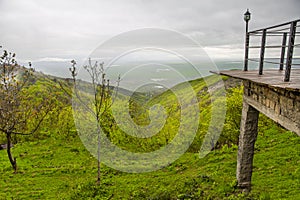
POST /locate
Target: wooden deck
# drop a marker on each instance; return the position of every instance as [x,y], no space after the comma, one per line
[272,78]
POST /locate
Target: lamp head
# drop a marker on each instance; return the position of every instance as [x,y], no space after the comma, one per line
[247,16]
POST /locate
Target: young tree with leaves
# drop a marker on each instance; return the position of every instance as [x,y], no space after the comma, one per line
[100,98]
[18,115]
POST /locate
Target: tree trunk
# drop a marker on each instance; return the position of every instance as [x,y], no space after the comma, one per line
[98,152]
[12,160]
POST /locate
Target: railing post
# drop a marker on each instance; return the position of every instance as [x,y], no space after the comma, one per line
[289,57]
[246,52]
[246,48]
[282,51]
[262,51]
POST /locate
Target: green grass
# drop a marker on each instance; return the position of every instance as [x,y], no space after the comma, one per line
[57,169]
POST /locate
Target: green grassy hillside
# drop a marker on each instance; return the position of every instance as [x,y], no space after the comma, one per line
[54,164]
[59,169]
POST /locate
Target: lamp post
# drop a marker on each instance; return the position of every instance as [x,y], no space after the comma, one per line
[247,17]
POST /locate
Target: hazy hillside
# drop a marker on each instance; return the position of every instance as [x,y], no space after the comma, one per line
[54,164]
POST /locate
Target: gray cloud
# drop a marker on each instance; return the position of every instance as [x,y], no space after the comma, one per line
[66,29]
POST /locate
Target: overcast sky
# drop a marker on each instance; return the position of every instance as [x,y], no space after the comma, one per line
[58,30]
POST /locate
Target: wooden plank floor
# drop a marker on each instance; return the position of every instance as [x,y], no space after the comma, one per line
[273,78]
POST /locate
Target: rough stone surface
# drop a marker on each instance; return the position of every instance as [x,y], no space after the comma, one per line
[247,139]
[281,105]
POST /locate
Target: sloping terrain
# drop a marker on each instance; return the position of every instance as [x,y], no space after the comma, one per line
[54,164]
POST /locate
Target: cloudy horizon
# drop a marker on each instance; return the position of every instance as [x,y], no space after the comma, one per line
[53,31]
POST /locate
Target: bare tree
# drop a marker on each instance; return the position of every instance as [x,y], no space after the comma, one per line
[102,98]
[18,115]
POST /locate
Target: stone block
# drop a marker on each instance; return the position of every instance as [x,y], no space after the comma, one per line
[264,100]
[268,103]
[272,105]
[265,91]
[286,102]
[297,118]
[297,106]
[297,96]
[277,109]
[273,95]
[254,96]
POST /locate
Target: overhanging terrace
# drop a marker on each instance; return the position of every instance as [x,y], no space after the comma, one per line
[270,95]
[275,93]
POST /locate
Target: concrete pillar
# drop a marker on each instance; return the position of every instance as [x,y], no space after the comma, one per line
[248,134]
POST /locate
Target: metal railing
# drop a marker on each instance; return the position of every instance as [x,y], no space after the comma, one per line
[287,32]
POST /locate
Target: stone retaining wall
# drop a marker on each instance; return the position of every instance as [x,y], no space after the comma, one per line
[281,105]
